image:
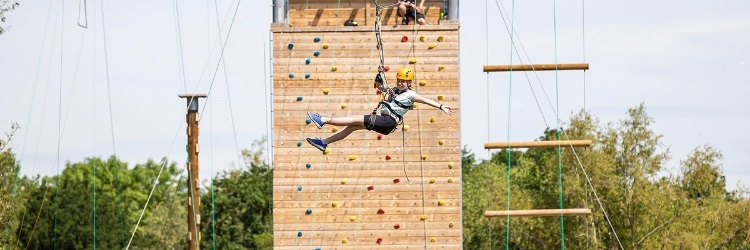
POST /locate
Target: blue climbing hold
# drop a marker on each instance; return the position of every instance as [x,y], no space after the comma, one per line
[299,234]
[307,61]
[291,75]
[299,188]
[308,165]
[299,98]
[317,39]
[290,46]
[308,121]
[317,248]
[307,75]
[317,53]
[309,211]
[299,144]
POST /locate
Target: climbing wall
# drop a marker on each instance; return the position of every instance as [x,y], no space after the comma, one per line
[357,195]
[305,13]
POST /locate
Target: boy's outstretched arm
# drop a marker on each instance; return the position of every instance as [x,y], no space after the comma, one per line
[444,108]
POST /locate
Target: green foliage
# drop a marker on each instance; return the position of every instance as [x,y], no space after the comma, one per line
[242,205]
[689,211]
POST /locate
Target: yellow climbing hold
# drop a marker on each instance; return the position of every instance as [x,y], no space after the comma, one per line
[450,165]
[432,119]
[343,181]
[441,68]
[335,204]
[432,46]
[413,60]
[334,129]
[328,150]
[440,38]
[326,91]
[433,240]
[432,181]
[353,218]
[352,157]
[424,156]
[424,217]
[406,127]
[441,142]
[422,82]
[344,241]
[450,224]
[441,202]
[334,68]
[421,38]
[415,105]
[343,105]
[325,46]
[450,180]
[441,97]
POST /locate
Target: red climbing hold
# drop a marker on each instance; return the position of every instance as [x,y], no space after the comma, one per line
[370,188]
[387,68]
[380,136]
[380,211]
[387,157]
[404,39]
[380,240]
[378,91]
[396,226]
[396,180]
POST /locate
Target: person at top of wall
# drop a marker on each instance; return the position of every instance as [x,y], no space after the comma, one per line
[400,99]
[409,11]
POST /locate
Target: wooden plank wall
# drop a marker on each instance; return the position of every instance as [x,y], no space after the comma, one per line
[298,188]
[311,13]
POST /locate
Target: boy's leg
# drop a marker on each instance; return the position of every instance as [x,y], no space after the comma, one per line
[345,121]
[343,134]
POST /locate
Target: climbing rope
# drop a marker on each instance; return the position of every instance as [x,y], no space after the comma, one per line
[112,127]
[59,121]
[28,119]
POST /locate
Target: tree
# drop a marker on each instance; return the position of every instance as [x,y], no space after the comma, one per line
[242,201]
[8,175]
[701,174]
[6,6]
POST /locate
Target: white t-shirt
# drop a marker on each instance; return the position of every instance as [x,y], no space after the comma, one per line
[406,98]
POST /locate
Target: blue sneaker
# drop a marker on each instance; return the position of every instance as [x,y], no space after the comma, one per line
[318,143]
[315,119]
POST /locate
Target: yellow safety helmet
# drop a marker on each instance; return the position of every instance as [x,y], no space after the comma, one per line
[405,74]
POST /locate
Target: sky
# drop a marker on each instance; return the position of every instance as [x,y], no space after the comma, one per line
[688,62]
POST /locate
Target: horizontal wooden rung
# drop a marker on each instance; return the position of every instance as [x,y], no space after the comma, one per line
[539,212]
[537,144]
[536,67]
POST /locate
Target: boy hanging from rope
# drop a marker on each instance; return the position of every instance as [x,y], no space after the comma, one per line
[399,100]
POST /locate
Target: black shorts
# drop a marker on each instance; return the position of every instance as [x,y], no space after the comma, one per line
[383,124]
[410,16]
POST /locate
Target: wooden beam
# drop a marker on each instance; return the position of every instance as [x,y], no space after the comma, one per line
[539,212]
[536,67]
[537,144]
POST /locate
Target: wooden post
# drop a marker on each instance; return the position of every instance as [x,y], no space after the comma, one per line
[536,67]
[193,183]
[538,144]
[539,212]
